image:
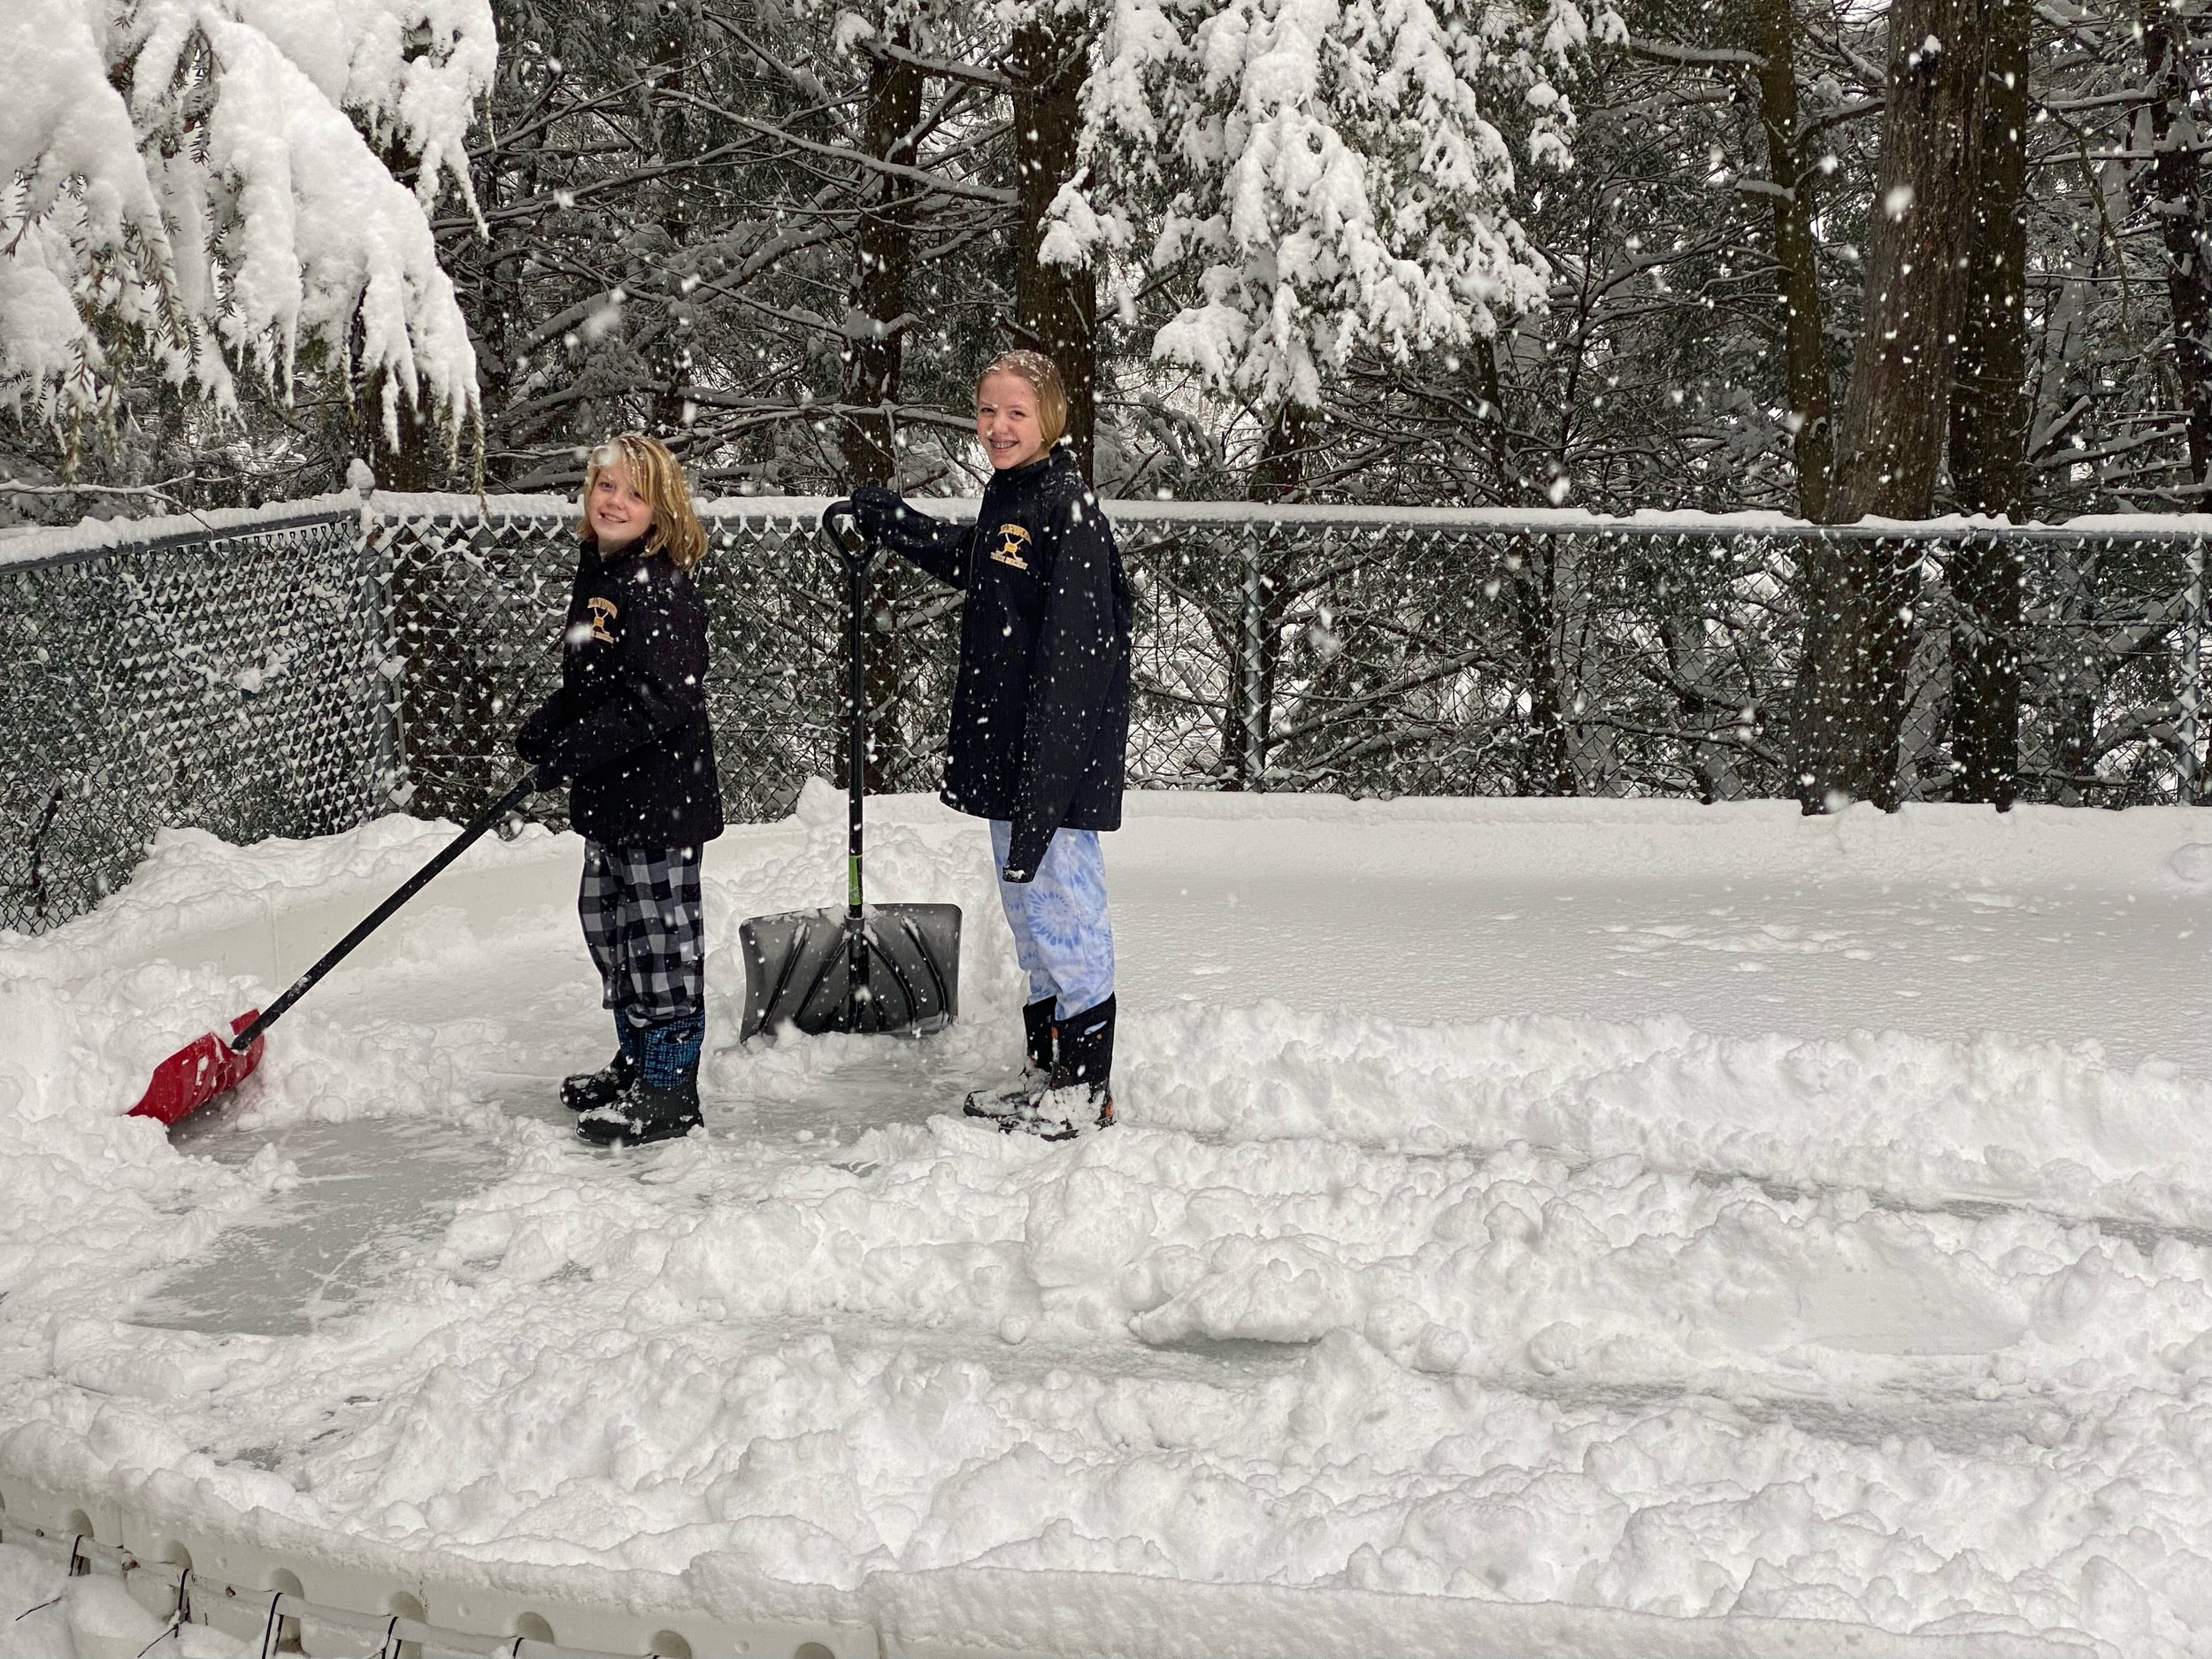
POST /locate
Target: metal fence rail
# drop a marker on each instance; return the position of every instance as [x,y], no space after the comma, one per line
[301,675]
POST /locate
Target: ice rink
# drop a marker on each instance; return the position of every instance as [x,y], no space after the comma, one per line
[1588,1209]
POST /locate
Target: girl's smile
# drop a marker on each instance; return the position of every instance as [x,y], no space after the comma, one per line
[1006,421]
[617,511]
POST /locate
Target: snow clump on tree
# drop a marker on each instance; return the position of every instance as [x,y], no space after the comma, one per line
[1329,162]
[186,180]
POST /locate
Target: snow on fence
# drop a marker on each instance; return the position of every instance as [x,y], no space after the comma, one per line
[293,672]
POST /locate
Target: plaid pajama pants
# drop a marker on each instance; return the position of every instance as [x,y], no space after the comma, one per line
[647,931]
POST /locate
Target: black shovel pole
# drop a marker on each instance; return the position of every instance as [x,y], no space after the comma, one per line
[521,791]
[857,559]
[876,970]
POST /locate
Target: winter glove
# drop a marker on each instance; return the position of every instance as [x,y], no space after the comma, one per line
[1026,850]
[534,743]
[877,508]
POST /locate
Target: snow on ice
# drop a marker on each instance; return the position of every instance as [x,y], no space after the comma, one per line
[1624,1205]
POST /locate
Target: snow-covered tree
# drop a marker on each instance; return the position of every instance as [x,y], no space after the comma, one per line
[1331,167]
[194,189]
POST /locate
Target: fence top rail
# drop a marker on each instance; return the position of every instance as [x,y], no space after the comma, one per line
[35,546]
[93,537]
[788,510]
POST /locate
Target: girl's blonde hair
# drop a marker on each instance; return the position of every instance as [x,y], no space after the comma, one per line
[1044,375]
[659,476]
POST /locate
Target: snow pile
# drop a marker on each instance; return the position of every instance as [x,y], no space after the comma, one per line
[193,168]
[1606,1316]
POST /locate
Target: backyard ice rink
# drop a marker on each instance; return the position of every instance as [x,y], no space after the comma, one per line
[1578,1209]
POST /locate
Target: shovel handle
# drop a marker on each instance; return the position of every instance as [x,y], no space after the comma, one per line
[857,556]
[838,518]
[519,792]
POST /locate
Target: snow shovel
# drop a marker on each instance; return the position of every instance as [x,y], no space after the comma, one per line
[870,968]
[209,1064]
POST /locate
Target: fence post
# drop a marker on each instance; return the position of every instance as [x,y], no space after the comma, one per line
[1252,761]
[1986,577]
[388,760]
[2193,791]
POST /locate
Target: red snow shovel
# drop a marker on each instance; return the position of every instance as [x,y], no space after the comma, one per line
[209,1064]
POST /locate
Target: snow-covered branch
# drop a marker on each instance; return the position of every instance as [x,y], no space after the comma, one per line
[208,180]
[1714,56]
[1330,169]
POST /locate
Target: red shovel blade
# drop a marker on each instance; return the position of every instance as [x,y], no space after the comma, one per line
[198,1072]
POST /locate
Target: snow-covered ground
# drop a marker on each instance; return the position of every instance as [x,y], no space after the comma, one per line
[1691,1211]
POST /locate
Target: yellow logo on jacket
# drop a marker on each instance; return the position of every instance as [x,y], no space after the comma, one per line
[1013,546]
[603,615]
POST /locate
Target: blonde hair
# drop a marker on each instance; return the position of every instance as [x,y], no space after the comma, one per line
[1043,376]
[659,476]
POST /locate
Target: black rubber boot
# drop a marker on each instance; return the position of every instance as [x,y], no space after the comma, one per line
[586,1091]
[1040,1034]
[644,1114]
[1020,1096]
[1081,1096]
[649,1109]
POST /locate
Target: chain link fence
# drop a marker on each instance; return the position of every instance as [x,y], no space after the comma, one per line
[236,680]
[300,675]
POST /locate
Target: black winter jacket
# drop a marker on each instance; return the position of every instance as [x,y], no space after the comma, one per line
[1040,710]
[627,731]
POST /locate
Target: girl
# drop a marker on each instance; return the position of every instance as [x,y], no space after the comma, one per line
[626,734]
[1040,720]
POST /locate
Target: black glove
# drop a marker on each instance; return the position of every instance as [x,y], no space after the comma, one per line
[1025,851]
[876,509]
[534,743]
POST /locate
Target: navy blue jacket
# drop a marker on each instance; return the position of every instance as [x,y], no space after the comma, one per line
[627,731]
[1040,710]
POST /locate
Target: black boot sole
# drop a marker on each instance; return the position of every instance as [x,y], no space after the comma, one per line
[1065,1131]
[611,1135]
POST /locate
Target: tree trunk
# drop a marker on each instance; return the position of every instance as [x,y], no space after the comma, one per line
[1989,430]
[416,462]
[1509,484]
[875,342]
[2179,201]
[1892,429]
[1246,737]
[1860,592]
[670,135]
[876,329]
[1055,306]
[1804,353]
[1545,767]
[1281,467]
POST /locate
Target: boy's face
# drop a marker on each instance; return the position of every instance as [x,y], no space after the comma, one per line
[1006,421]
[617,511]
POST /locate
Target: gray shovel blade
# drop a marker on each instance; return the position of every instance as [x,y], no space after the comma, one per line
[796,971]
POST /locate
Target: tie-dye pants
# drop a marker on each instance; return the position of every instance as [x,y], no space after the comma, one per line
[1062,936]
